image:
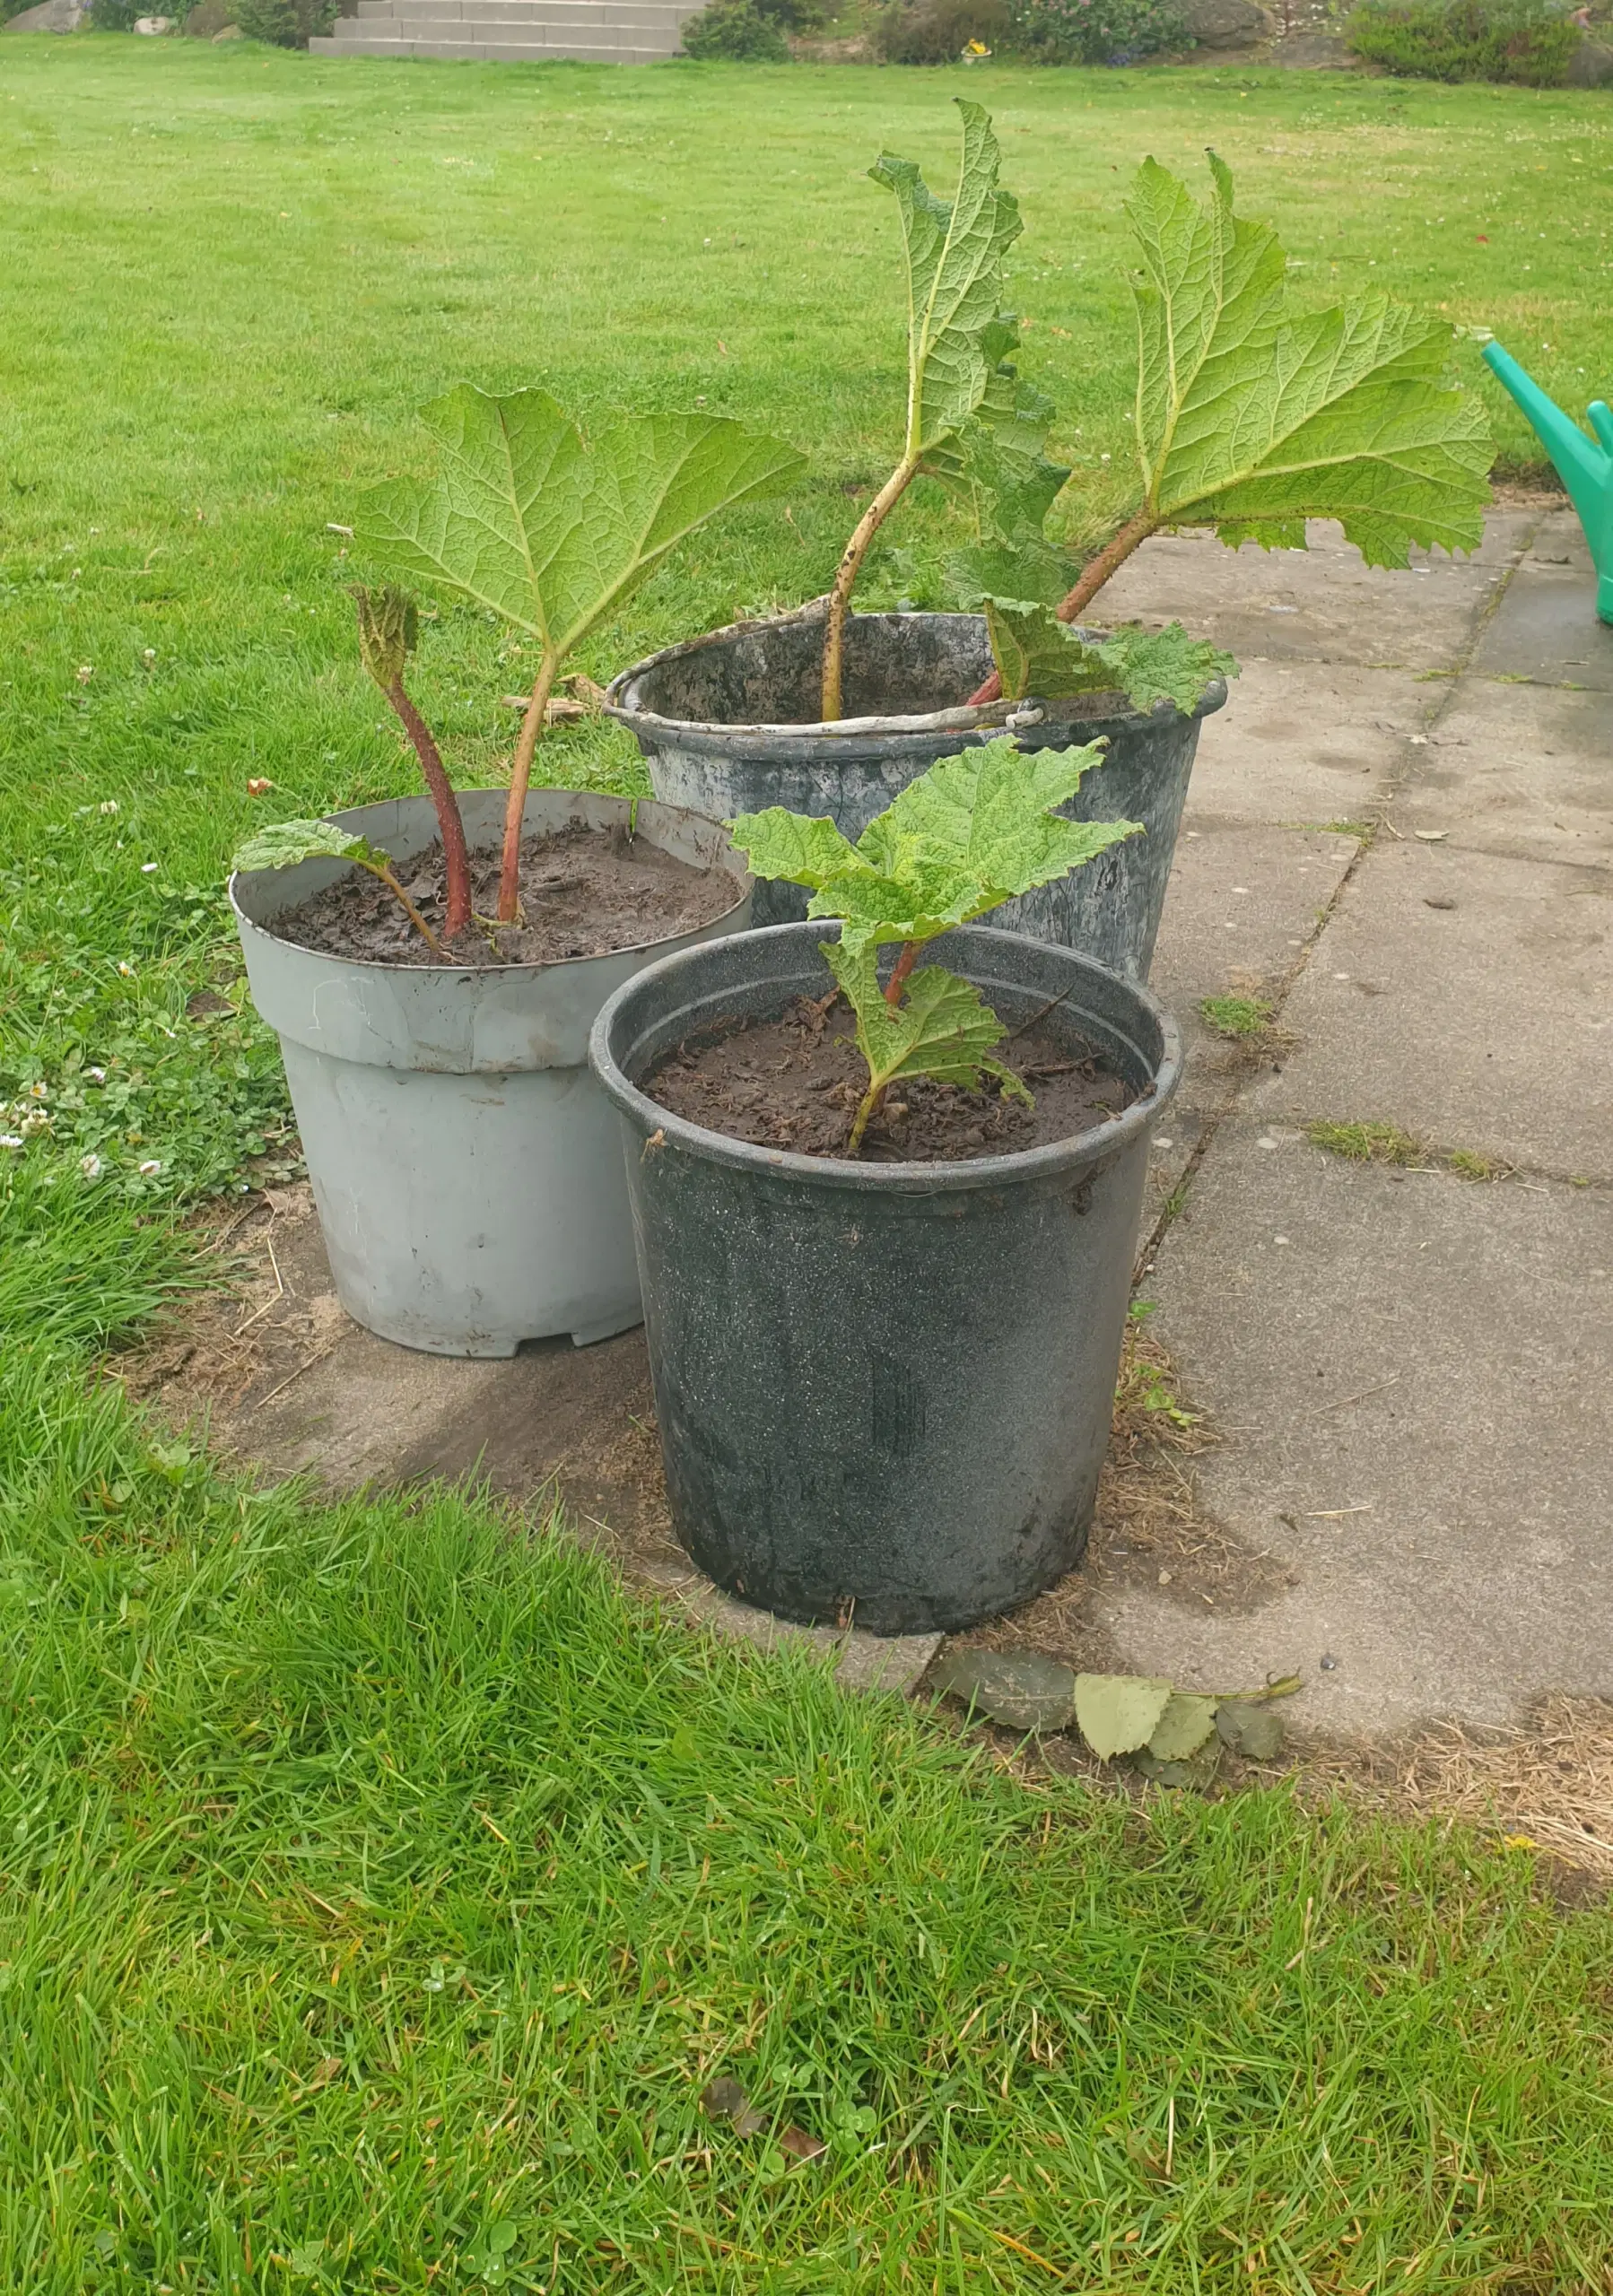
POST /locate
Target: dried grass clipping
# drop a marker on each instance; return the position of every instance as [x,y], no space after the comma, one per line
[1545,1785]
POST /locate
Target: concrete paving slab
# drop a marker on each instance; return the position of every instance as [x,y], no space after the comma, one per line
[1559,540]
[1411,1372]
[892,1663]
[1546,628]
[1525,769]
[1241,903]
[1465,998]
[556,1423]
[1242,900]
[1308,742]
[1323,603]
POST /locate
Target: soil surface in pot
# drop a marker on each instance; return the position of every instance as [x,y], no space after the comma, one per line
[584,893]
[795,1083]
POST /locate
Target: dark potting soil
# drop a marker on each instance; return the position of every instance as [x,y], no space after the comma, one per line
[584,893]
[795,1083]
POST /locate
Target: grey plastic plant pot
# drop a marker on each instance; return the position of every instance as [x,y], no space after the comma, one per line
[884,1391]
[464,1164]
[727,725]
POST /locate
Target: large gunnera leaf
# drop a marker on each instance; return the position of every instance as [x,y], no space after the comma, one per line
[943,1028]
[999,460]
[1037,654]
[281,845]
[1252,420]
[524,518]
[970,833]
[956,337]
[973,832]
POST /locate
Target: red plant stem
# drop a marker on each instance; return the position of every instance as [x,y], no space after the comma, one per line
[521,774]
[448,822]
[1092,582]
[845,575]
[900,971]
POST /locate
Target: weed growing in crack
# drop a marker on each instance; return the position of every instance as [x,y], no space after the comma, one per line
[1366,1142]
[1377,1143]
[1240,1018]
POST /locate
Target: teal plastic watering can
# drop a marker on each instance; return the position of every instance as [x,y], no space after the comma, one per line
[1585,465]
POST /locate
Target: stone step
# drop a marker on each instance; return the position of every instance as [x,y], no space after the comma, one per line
[433,30]
[592,15]
[561,50]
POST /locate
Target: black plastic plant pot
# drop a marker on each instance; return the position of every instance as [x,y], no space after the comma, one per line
[884,1391]
[728,724]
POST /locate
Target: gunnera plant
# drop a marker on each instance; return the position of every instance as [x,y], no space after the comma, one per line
[524,520]
[973,832]
[1249,417]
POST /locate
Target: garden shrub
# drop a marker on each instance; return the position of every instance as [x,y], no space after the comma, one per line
[1097,31]
[208,18]
[1530,42]
[938,31]
[284,23]
[735,31]
[121,16]
[749,31]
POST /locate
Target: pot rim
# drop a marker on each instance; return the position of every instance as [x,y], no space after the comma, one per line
[741,876]
[1052,1160]
[991,716]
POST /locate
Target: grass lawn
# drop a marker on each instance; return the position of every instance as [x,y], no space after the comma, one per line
[377,1893]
